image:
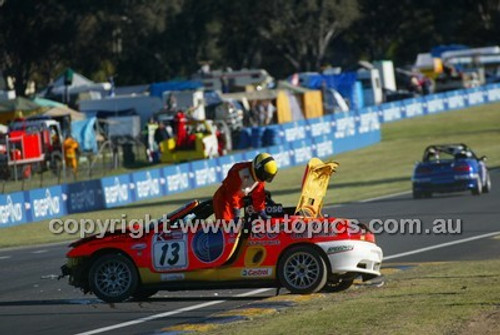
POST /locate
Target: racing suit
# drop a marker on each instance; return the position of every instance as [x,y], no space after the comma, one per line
[228,199]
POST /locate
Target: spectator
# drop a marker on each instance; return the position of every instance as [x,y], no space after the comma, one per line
[71,149]
[160,135]
[266,113]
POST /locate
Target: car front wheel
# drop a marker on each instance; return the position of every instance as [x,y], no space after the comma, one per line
[302,270]
[113,278]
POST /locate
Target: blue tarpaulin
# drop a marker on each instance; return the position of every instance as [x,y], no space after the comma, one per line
[344,83]
[83,132]
[157,89]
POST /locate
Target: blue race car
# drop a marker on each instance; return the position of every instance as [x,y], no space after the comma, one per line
[450,168]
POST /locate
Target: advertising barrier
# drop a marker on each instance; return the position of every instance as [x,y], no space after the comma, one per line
[294,143]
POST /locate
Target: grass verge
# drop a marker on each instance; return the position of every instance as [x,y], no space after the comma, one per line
[447,298]
[377,170]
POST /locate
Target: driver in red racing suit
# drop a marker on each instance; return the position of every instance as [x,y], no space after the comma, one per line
[243,179]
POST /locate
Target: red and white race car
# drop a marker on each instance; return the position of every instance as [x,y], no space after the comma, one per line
[293,250]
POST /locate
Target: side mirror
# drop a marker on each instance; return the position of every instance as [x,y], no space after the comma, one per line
[483,158]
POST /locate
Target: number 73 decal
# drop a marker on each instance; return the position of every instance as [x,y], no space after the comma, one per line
[170,254]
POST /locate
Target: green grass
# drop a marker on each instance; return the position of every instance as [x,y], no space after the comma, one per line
[449,298]
[376,170]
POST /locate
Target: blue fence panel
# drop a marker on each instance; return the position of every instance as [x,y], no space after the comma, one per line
[368,120]
[282,154]
[345,125]
[13,209]
[294,131]
[391,111]
[250,154]
[178,178]
[493,93]
[117,190]
[85,196]
[414,107]
[323,146]
[148,184]
[47,203]
[475,96]
[455,100]
[319,126]
[205,173]
[436,103]
[301,152]
[225,163]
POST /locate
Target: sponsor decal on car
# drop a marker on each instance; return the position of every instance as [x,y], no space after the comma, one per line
[339,248]
[257,272]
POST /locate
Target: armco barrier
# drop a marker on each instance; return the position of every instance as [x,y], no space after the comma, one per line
[295,143]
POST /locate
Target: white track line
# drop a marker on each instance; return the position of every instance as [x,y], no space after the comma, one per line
[393,195]
[5,257]
[442,245]
[170,313]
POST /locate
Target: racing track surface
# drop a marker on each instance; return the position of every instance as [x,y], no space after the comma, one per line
[33,301]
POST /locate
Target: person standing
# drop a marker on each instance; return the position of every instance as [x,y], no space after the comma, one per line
[71,149]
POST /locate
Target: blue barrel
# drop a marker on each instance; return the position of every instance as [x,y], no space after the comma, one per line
[244,139]
[257,134]
[271,136]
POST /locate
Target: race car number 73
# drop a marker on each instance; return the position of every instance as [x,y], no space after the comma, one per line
[170,254]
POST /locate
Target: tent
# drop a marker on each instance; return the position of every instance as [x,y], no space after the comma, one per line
[48,103]
[18,107]
[79,84]
[56,112]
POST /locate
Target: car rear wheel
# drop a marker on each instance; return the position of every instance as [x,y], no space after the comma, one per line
[113,278]
[478,189]
[487,184]
[302,270]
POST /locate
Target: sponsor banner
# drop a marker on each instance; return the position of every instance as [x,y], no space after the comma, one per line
[282,154]
[301,152]
[323,146]
[414,107]
[85,196]
[455,100]
[320,126]
[205,172]
[47,203]
[345,125]
[493,93]
[13,209]
[225,163]
[436,103]
[475,96]
[391,111]
[177,178]
[368,120]
[294,131]
[148,184]
[250,154]
[118,190]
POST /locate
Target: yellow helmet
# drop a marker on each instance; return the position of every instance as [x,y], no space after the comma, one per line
[264,167]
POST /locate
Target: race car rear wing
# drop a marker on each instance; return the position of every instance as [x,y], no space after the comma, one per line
[314,186]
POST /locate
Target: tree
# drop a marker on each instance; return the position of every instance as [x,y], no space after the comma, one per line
[302,31]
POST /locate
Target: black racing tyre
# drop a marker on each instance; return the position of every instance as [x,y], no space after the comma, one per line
[487,184]
[143,293]
[339,285]
[113,278]
[427,194]
[302,270]
[417,195]
[478,189]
